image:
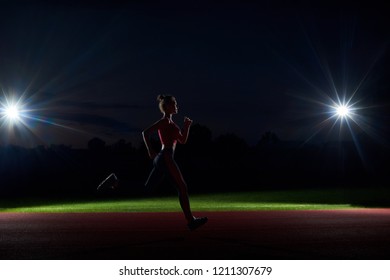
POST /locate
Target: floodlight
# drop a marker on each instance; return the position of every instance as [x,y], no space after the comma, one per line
[12,112]
[343,111]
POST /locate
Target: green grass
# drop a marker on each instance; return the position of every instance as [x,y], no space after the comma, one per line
[315,199]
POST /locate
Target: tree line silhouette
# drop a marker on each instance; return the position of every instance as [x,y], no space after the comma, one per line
[225,163]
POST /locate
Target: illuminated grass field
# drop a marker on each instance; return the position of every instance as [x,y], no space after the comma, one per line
[243,201]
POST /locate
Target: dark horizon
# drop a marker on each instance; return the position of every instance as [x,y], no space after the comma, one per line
[220,165]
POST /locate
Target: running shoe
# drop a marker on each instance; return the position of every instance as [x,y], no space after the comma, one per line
[197,222]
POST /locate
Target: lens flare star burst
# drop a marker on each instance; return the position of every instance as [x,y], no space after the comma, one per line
[12,112]
[342,111]
[19,119]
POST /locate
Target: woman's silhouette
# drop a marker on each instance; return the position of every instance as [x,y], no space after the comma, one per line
[164,162]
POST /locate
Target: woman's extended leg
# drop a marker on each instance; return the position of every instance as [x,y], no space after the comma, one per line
[175,175]
[178,180]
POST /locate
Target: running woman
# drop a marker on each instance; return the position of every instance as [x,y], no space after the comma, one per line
[164,162]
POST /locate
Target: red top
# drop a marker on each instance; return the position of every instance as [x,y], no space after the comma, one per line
[168,133]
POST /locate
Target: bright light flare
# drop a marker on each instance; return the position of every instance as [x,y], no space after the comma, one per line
[343,111]
[12,112]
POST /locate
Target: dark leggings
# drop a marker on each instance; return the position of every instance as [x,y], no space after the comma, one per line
[165,164]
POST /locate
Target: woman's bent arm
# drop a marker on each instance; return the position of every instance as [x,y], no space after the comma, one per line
[146,136]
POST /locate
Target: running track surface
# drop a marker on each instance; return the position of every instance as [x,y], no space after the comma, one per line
[340,234]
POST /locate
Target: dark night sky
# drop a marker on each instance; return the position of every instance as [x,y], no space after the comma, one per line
[242,67]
